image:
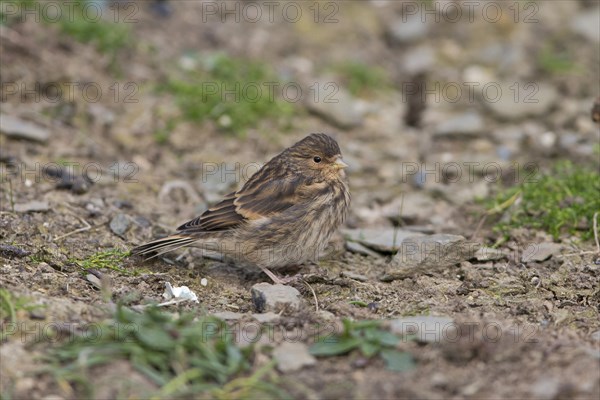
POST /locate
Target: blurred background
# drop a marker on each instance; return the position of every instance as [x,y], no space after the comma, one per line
[120,120]
[434,103]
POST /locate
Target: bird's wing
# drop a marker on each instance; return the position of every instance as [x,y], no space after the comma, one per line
[259,198]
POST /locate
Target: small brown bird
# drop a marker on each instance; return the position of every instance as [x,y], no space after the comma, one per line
[283,216]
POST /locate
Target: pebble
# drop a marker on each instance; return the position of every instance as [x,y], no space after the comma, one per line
[540,252]
[408,28]
[385,240]
[338,107]
[292,356]
[587,25]
[469,123]
[358,248]
[546,387]
[32,206]
[267,317]
[515,100]
[119,224]
[432,251]
[426,254]
[489,254]
[418,60]
[94,280]
[16,128]
[7,250]
[228,315]
[267,297]
[426,329]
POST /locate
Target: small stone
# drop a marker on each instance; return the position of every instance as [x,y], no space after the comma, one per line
[433,250]
[32,206]
[358,248]
[540,252]
[353,275]
[94,280]
[52,397]
[267,317]
[469,123]
[37,313]
[408,28]
[515,100]
[18,129]
[546,387]
[267,297]
[426,329]
[119,224]
[9,251]
[427,254]
[228,315]
[419,60]
[292,356]
[489,254]
[587,24]
[386,240]
[339,107]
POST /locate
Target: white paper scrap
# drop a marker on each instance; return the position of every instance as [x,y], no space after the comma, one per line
[179,293]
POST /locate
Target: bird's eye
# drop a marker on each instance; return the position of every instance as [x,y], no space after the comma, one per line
[317,159]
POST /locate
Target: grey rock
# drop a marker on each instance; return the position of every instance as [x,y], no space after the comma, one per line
[228,315]
[427,254]
[414,205]
[433,250]
[540,252]
[489,254]
[514,100]
[10,251]
[427,329]
[587,24]
[546,387]
[100,114]
[358,248]
[267,317]
[466,124]
[336,105]
[384,239]
[292,356]
[595,336]
[32,206]
[408,28]
[119,224]
[267,297]
[353,275]
[17,128]
[94,280]
[419,60]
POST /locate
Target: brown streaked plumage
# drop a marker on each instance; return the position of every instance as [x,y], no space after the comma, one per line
[283,215]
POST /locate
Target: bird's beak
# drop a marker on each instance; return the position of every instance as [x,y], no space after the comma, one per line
[340,164]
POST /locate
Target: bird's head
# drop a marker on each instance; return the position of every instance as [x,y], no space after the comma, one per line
[318,156]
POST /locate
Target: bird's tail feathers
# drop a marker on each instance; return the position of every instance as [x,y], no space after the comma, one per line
[164,245]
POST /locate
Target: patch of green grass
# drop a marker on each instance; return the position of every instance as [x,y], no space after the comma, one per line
[234,93]
[86,27]
[10,305]
[110,259]
[12,11]
[562,201]
[184,356]
[362,79]
[552,60]
[371,339]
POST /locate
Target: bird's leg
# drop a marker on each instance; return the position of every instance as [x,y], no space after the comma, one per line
[277,280]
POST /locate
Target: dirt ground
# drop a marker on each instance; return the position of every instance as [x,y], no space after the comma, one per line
[526,330]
